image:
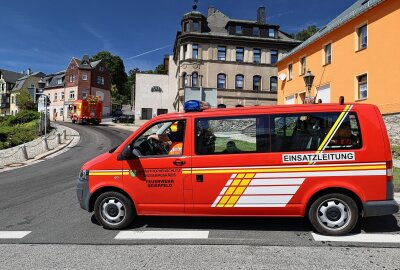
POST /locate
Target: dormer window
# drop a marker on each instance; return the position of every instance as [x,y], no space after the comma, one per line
[271,32]
[59,81]
[256,31]
[238,29]
[186,27]
[196,26]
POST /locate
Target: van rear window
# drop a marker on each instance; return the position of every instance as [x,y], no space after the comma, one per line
[307,132]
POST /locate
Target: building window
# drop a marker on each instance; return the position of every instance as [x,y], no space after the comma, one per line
[147,113]
[195,79]
[273,84]
[84,76]
[274,56]
[303,65]
[257,83]
[221,81]
[290,71]
[55,96]
[84,94]
[328,54]
[62,96]
[72,78]
[184,52]
[185,80]
[271,32]
[362,86]
[195,53]
[12,99]
[362,37]
[257,55]
[238,29]
[100,80]
[59,81]
[239,82]
[196,26]
[222,53]
[256,31]
[72,95]
[101,68]
[61,111]
[186,27]
[239,54]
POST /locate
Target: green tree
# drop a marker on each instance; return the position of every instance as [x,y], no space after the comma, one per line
[306,33]
[25,101]
[116,67]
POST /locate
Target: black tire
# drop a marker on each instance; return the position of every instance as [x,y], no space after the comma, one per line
[334,214]
[109,218]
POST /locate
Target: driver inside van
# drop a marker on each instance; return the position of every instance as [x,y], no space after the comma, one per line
[173,139]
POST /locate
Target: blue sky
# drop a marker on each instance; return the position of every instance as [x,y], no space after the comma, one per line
[45,34]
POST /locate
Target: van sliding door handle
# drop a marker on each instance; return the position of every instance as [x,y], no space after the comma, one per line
[179,162]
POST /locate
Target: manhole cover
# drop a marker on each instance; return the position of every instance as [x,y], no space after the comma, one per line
[16,165]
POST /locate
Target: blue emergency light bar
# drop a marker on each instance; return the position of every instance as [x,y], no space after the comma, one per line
[196,106]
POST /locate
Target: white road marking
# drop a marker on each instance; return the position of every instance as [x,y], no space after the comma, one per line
[362,238]
[131,235]
[13,234]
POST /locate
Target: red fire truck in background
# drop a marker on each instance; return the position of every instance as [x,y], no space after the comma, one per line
[89,111]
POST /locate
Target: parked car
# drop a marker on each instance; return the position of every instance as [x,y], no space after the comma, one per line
[124,119]
[118,112]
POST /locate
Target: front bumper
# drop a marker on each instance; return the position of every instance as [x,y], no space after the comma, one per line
[83,194]
[380,208]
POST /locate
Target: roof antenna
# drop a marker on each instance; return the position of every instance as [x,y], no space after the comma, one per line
[195,4]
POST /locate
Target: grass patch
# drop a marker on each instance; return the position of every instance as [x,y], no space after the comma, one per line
[396,178]
[395,151]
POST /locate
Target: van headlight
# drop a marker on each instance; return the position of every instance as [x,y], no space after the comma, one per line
[84,175]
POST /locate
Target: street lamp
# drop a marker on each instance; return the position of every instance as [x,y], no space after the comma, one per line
[308,80]
[41,85]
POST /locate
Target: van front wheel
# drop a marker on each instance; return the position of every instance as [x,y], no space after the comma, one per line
[334,214]
[114,210]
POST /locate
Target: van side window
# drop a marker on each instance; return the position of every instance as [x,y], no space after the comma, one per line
[348,135]
[307,132]
[231,135]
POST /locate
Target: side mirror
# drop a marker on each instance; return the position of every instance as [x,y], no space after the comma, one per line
[128,153]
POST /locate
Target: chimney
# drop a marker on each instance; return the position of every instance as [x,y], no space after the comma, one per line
[211,11]
[261,16]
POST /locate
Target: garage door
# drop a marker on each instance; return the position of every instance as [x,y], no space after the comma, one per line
[289,100]
[324,93]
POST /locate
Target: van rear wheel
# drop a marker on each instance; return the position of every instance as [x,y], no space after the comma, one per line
[334,214]
[114,210]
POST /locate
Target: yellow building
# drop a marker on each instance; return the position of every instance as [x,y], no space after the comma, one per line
[356,55]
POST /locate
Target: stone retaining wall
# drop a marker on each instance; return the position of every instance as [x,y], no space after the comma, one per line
[393,127]
[30,150]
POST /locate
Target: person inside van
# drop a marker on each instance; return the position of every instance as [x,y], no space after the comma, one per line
[231,148]
[173,139]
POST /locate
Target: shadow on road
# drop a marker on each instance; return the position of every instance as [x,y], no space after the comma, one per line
[383,224]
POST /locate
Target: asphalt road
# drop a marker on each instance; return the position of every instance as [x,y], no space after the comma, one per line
[41,199]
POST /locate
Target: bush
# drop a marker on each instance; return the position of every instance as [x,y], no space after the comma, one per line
[23,117]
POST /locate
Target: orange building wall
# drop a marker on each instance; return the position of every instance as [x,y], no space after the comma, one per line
[380,60]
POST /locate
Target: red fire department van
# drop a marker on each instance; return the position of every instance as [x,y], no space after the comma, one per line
[329,162]
[89,111]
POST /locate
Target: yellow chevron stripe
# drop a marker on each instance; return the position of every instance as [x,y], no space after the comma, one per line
[235,190]
[311,169]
